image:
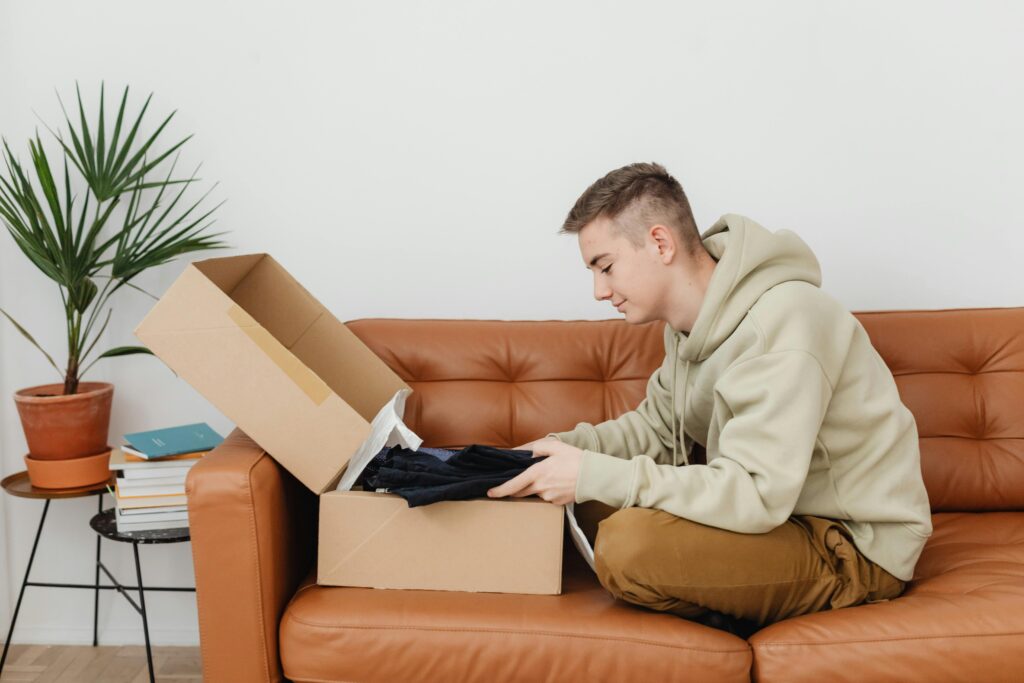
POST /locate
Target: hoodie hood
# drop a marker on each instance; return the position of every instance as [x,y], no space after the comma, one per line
[751,260]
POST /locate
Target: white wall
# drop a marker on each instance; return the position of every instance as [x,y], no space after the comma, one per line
[416,160]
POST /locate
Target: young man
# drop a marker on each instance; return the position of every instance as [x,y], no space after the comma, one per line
[812,496]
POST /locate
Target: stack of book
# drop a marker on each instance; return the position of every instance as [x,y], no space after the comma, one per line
[151,466]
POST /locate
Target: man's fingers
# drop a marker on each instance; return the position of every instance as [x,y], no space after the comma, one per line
[529,445]
[513,485]
[528,490]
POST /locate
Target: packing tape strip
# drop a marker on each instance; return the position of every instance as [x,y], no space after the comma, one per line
[304,378]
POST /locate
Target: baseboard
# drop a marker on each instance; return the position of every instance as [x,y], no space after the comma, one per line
[107,636]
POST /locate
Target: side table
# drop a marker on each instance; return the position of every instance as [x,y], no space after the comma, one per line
[105,525]
[18,485]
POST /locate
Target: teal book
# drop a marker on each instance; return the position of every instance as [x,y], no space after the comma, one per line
[158,443]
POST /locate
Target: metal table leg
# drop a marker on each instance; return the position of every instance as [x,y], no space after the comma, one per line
[24,582]
[142,610]
[96,598]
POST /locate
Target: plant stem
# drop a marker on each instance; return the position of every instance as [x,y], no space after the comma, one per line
[71,376]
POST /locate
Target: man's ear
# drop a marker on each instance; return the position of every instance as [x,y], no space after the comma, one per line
[664,241]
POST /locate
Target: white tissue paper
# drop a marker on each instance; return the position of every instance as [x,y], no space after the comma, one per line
[387,429]
[579,539]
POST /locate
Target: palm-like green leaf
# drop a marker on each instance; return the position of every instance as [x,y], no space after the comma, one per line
[163,240]
[118,351]
[110,171]
[124,351]
[41,234]
[71,248]
[32,339]
[82,293]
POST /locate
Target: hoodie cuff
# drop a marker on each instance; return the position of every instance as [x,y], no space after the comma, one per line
[580,437]
[604,478]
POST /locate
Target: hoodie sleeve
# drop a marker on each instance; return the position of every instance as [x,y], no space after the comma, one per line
[776,404]
[646,430]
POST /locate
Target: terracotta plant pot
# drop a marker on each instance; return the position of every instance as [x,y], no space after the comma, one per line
[59,427]
[69,474]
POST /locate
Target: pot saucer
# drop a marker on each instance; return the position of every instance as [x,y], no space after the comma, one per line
[62,474]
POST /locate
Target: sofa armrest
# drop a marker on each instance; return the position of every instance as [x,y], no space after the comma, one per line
[253,529]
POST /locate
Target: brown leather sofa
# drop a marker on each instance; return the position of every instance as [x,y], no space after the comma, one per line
[262,616]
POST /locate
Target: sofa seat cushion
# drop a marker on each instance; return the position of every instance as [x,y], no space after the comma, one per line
[359,634]
[960,619]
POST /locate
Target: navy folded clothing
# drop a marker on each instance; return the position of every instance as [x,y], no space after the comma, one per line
[429,475]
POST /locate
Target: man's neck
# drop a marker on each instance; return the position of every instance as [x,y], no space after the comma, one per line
[699,285]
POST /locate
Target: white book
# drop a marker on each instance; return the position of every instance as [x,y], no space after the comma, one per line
[157,473]
[148,526]
[150,502]
[152,517]
[129,484]
[142,512]
[147,491]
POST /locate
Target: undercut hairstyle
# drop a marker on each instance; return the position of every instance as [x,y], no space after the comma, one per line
[634,198]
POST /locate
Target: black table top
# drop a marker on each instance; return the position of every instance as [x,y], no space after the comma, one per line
[105,525]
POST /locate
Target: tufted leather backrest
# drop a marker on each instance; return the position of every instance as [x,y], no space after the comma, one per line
[961,373]
[503,383]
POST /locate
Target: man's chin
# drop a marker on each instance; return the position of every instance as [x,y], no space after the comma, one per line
[633,318]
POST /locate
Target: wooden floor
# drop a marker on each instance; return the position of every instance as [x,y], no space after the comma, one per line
[109,664]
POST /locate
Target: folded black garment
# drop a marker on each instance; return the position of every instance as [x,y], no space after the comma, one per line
[422,478]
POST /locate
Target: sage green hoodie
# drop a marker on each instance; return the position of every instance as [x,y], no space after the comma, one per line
[798,413]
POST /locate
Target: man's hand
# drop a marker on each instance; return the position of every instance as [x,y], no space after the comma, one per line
[528,446]
[553,479]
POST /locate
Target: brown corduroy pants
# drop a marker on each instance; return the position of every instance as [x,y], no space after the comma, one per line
[656,560]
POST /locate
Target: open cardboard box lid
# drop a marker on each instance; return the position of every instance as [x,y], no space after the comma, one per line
[248,337]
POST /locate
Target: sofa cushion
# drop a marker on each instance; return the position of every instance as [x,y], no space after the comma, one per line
[961,618]
[360,634]
[961,373]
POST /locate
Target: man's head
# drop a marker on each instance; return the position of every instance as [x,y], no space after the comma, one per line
[638,235]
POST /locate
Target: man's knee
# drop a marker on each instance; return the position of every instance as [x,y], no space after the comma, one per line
[632,539]
[623,540]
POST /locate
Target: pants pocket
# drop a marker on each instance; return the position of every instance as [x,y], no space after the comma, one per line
[888,587]
[851,567]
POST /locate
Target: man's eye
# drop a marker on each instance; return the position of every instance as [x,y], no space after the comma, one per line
[606,269]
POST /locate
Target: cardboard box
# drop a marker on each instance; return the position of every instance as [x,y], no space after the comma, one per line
[375,540]
[247,336]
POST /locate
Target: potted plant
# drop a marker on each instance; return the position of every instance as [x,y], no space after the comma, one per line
[92,245]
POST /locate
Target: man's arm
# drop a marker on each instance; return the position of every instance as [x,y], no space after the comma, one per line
[777,403]
[644,431]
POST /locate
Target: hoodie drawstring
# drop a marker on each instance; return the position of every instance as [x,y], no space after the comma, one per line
[675,364]
[682,413]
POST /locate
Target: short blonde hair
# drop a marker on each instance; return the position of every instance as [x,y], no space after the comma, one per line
[634,198]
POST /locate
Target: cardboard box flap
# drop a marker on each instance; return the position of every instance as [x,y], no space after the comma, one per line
[189,304]
[279,303]
[348,366]
[274,360]
[227,271]
[301,324]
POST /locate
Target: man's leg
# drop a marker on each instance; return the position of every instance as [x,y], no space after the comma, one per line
[657,560]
